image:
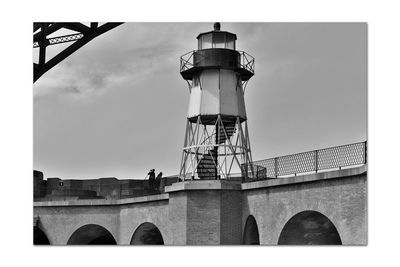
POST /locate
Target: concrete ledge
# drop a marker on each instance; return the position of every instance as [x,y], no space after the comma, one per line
[204,185]
[305,178]
[102,202]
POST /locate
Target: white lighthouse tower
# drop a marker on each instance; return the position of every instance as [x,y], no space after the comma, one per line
[216,142]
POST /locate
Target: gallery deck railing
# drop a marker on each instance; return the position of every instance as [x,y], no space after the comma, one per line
[315,160]
[245,61]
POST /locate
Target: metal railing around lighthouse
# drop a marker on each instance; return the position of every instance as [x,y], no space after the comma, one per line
[316,160]
[245,60]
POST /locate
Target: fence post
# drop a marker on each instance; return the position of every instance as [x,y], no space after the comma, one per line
[316,161]
[276,167]
[365,152]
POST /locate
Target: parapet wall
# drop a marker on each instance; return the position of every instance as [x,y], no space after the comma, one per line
[106,188]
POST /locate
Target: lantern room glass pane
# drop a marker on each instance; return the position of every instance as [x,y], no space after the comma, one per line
[206,40]
[219,40]
[230,41]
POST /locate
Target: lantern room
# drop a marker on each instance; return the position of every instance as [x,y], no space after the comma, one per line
[216,39]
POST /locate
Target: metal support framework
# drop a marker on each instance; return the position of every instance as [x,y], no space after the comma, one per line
[83,35]
[224,142]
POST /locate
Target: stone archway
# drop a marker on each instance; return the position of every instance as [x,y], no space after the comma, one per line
[309,228]
[39,237]
[251,235]
[147,234]
[91,234]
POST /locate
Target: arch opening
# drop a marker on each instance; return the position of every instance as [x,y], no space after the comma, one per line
[309,228]
[92,234]
[147,234]
[251,234]
[39,237]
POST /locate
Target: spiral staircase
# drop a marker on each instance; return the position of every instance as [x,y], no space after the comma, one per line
[206,169]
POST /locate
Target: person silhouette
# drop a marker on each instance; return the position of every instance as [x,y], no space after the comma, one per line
[152,178]
[158,180]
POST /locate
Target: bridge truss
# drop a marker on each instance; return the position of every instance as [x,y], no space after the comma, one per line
[83,34]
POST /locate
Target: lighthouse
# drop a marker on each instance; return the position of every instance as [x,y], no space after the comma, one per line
[216,144]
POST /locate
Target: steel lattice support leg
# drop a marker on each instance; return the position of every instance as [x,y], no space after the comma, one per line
[215,151]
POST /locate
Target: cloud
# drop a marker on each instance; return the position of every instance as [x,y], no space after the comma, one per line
[75,83]
[73,89]
[94,69]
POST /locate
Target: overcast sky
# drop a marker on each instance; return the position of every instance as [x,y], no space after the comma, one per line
[117,107]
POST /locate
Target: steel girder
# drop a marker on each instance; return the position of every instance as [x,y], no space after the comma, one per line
[84,35]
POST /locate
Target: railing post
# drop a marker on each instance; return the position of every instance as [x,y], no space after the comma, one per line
[365,152]
[276,167]
[316,161]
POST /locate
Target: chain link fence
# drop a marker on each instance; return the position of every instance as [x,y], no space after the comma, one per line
[316,160]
